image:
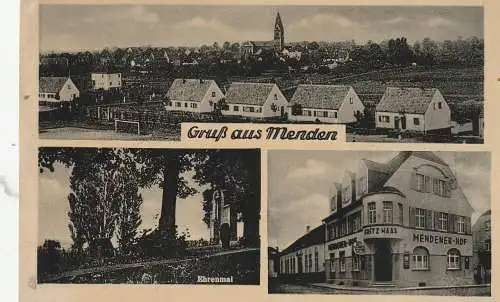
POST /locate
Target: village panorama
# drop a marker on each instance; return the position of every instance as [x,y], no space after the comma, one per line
[384,90]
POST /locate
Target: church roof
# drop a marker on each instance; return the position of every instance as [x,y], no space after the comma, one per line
[278,22]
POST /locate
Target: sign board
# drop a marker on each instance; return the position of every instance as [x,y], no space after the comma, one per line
[406,260]
[358,248]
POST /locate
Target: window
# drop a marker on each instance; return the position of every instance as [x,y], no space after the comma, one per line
[388,213]
[439,187]
[343,228]
[361,186]
[236,108]
[347,194]
[420,183]
[350,100]
[442,221]
[356,263]
[342,261]
[335,114]
[460,224]
[293,265]
[178,104]
[416,121]
[325,113]
[331,232]
[356,222]
[400,207]
[316,260]
[333,203]
[308,112]
[213,94]
[310,263]
[110,83]
[258,109]
[420,258]
[185,104]
[275,96]
[453,259]
[332,262]
[372,213]
[252,109]
[420,218]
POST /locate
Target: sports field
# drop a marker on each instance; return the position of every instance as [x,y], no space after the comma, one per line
[92,134]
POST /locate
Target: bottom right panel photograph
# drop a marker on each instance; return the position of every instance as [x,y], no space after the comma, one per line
[374,222]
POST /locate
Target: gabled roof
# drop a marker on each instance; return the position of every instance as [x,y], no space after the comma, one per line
[320,96]
[189,89]
[313,237]
[248,93]
[51,84]
[408,100]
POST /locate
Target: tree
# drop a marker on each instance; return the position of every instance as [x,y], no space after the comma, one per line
[49,257]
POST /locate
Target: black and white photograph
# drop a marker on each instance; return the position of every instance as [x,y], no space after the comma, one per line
[404,74]
[379,223]
[149,216]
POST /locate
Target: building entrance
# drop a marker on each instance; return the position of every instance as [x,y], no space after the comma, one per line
[383,261]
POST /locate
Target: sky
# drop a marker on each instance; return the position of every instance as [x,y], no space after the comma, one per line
[54,206]
[93,27]
[300,182]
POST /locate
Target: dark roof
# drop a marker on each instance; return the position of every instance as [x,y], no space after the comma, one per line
[408,100]
[248,93]
[51,84]
[487,213]
[320,96]
[188,89]
[313,237]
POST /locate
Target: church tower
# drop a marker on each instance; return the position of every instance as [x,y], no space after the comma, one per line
[279,33]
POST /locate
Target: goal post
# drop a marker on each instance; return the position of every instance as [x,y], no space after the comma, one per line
[128,126]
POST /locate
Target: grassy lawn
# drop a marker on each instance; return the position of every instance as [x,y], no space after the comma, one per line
[90,134]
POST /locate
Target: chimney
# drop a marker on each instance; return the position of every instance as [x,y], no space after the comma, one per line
[308,228]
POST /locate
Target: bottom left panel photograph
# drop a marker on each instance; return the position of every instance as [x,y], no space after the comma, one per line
[166,216]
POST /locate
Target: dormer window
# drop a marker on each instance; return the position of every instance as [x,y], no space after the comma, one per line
[333,203]
[346,195]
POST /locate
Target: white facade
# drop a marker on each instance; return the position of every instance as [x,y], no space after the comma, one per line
[275,105]
[437,116]
[67,93]
[106,81]
[207,104]
[345,114]
[309,259]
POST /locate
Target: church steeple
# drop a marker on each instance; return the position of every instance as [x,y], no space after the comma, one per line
[279,33]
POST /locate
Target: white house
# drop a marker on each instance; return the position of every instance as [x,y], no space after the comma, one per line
[260,100]
[57,90]
[325,103]
[416,109]
[106,81]
[194,95]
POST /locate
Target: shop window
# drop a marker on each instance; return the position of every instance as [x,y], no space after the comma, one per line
[388,212]
[420,218]
[420,258]
[372,213]
[453,259]
[356,263]
[342,261]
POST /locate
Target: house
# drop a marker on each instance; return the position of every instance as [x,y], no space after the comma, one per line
[405,222]
[481,233]
[106,81]
[337,104]
[259,100]
[194,95]
[416,109]
[304,258]
[54,90]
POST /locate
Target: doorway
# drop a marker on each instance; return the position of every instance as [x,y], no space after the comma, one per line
[396,123]
[383,261]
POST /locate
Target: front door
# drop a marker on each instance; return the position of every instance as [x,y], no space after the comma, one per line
[396,123]
[383,261]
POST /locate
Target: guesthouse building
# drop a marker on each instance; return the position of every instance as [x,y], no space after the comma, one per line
[106,81]
[255,100]
[193,95]
[336,104]
[404,223]
[481,232]
[413,109]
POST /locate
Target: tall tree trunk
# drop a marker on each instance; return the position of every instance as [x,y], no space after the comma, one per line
[251,218]
[169,198]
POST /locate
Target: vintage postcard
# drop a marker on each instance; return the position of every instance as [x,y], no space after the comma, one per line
[398,74]
[404,223]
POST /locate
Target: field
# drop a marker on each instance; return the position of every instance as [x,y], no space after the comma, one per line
[91,134]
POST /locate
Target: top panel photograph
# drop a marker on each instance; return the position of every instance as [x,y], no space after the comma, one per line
[409,74]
